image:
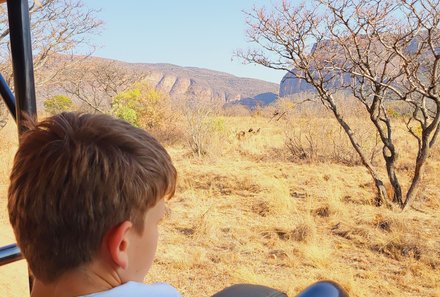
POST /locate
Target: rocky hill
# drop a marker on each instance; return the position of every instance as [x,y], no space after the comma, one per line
[202,83]
[291,85]
[186,82]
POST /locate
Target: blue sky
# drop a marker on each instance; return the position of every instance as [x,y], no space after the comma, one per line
[187,33]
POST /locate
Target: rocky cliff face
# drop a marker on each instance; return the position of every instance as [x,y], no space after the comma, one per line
[186,87]
[291,85]
[191,82]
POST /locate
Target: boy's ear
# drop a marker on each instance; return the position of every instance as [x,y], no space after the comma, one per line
[117,244]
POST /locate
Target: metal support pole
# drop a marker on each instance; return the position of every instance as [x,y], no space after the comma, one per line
[22,63]
[9,253]
[8,97]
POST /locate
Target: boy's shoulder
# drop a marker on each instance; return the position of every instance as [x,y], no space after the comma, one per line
[135,289]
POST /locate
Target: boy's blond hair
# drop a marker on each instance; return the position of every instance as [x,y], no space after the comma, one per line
[75,176]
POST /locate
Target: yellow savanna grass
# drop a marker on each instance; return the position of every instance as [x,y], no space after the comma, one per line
[248,212]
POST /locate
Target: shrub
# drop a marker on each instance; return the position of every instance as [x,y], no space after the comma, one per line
[142,106]
[57,104]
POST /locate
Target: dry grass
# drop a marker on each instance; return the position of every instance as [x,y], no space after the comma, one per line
[13,276]
[245,213]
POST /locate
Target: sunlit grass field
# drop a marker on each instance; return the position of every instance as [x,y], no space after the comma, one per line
[249,212]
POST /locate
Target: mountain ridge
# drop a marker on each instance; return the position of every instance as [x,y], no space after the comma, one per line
[197,82]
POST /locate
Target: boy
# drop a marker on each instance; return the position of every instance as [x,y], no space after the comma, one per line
[86,196]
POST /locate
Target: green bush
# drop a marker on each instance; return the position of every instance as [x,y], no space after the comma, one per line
[142,106]
[56,104]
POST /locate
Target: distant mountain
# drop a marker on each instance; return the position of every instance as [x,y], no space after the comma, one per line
[258,100]
[290,85]
[192,82]
[202,83]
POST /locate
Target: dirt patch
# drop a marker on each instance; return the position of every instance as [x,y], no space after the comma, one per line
[323,212]
[222,184]
[398,251]
[186,231]
[261,208]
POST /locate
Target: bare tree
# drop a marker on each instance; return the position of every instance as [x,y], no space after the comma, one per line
[381,51]
[198,116]
[94,83]
[57,27]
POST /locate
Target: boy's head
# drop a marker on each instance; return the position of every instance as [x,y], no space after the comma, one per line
[75,179]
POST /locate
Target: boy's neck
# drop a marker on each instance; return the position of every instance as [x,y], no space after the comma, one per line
[81,281]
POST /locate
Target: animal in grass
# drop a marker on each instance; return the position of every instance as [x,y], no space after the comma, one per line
[240,135]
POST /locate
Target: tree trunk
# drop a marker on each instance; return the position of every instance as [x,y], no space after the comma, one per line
[382,197]
[390,161]
[423,154]
[418,171]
